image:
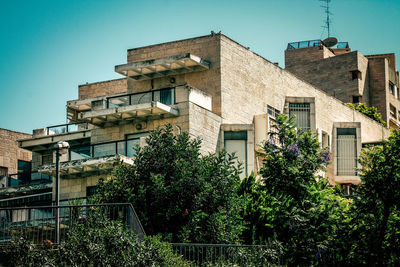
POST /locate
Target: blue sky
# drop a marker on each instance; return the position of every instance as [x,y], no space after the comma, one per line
[48,48]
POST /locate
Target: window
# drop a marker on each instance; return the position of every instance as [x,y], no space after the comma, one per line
[325,140]
[392,111]
[90,191]
[165,96]
[81,152]
[301,111]
[47,158]
[391,88]
[236,142]
[348,189]
[355,74]
[273,112]
[356,99]
[3,171]
[133,143]
[346,152]
[102,150]
[398,92]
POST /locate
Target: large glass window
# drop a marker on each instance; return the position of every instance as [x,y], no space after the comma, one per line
[236,142]
[82,152]
[346,152]
[141,98]
[133,143]
[102,150]
[301,112]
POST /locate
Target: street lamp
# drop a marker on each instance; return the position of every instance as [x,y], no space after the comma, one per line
[61,148]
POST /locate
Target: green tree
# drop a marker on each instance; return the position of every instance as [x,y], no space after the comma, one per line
[376,222]
[371,112]
[177,192]
[290,203]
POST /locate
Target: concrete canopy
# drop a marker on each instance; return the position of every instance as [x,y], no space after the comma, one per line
[161,67]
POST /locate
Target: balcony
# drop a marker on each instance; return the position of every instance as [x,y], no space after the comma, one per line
[114,109]
[66,128]
[25,188]
[99,157]
[87,166]
[44,138]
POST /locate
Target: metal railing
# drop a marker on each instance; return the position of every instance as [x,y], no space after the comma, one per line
[312,43]
[165,96]
[66,128]
[304,44]
[226,254]
[38,224]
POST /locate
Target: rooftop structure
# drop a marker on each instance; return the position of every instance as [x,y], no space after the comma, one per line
[349,75]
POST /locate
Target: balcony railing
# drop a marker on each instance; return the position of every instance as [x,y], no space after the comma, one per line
[125,147]
[312,43]
[165,96]
[66,128]
[27,179]
[38,224]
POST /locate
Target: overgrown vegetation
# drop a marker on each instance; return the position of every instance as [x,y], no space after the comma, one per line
[371,112]
[183,196]
[95,242]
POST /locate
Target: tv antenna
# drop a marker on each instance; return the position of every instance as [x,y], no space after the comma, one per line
[327,22]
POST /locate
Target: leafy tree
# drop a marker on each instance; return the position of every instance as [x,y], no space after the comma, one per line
[177,192]
[290,202]
[376,222]
[371,112]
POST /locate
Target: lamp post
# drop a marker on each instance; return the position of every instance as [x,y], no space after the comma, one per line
[60,148]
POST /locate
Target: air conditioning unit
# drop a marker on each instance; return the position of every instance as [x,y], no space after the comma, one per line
[140,125]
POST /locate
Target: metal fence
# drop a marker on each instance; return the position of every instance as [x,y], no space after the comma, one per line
[226,254]
[38,224]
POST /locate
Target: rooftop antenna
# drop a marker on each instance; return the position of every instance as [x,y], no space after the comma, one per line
[327,22]
[329,41]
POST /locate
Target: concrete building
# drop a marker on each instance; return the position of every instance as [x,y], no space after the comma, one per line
[349,75]
[211,87]
[18,185]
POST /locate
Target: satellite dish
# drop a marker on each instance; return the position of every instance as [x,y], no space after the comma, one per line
[330,41]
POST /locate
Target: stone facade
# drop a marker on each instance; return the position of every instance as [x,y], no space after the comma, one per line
[10,153]
[350,76]
[96,89]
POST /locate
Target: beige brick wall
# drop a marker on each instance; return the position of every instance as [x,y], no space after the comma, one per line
[205,125]
[206,47]
[71,188]
[306,55]
[10,153]
[378,85]
[333,75]
[102,88]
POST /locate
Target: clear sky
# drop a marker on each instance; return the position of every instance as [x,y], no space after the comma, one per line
[48,48]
